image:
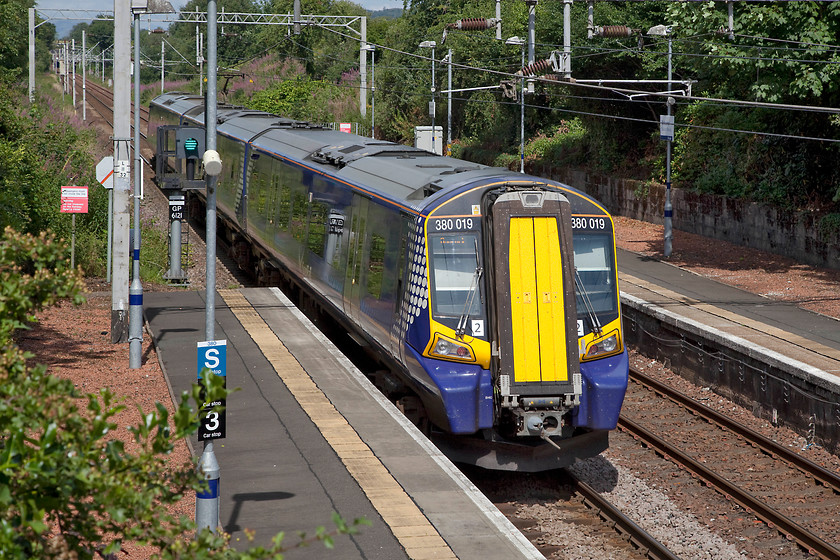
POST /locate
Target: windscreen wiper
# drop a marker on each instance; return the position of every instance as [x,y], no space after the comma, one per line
[590,309]
[461,329]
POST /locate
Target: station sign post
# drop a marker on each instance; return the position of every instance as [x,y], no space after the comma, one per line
[212,355]
[74,200]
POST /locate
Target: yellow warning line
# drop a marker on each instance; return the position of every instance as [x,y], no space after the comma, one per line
[408,524]
[734,317]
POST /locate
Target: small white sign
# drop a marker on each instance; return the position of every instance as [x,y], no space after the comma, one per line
[478,327]
[666,127]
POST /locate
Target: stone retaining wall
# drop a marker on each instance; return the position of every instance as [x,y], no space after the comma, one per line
[768,228]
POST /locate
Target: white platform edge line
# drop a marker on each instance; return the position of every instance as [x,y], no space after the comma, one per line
[677,319]
[485,506]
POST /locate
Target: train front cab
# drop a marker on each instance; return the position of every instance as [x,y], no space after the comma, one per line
[539,327]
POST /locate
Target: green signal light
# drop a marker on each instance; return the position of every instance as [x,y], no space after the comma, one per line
[191,147]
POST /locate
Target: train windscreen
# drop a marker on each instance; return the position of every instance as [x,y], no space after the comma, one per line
[594,270]
[454,277]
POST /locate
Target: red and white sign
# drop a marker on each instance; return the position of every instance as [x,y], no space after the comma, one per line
[74,200]
[345,127]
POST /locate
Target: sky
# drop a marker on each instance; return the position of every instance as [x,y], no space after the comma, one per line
[109,6]
[63,27]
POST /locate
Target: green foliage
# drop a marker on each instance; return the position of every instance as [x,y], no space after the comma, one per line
[37,157]
[14,39]
[154,251]
[68,488]
[829,226]
[34,273]
[305,99]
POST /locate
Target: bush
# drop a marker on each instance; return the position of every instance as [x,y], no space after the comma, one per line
[67,488]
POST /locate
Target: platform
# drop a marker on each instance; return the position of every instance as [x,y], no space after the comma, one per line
[773,357]
[781,327]
[308,435]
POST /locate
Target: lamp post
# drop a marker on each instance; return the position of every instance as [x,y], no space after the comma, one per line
[431,45]
[448,59]
[665,31]
[135,291]
[372,50]
[521,42]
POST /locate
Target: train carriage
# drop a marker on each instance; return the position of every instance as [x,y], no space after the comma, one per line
[491,296]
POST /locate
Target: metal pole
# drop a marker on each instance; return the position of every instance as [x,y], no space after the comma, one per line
[522,117]
[567,38]
[449,105]
[162,63]
[174,273]
[432,108]
[65,75]
[73,241]
[110,234]
[200,40]
[122,161]
[84,77]
[669,210]
[373,94]
[532,37]
[207,503]
[31,55]
[135,293]
[363,69]
[498,20]
[73,63]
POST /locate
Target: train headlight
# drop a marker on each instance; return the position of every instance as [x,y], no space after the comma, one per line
[602,347]
[449,349]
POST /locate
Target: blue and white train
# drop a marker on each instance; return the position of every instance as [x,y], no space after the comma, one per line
[491,296]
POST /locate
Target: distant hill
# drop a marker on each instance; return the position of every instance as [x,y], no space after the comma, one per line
[389,13]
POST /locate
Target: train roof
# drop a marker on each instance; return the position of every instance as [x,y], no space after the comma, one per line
[410,175]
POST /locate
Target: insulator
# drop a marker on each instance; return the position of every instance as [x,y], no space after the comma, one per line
[474,24]
[556,78]
[536,67]
[614,31]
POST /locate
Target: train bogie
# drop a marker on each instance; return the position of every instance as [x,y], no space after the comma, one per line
[491,296]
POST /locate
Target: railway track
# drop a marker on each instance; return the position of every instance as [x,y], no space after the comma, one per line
[536,503]
[787,492]
[101,100]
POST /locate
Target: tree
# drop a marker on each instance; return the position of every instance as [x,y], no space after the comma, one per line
[14,26]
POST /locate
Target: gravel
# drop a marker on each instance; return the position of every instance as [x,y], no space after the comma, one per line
[652,509]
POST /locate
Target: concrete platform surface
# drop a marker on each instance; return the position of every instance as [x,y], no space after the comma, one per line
[308,435]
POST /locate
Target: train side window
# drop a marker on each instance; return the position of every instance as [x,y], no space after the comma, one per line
[284,208]
[376,265]
[273,196]
[405,228]
[318,217]
[299,214]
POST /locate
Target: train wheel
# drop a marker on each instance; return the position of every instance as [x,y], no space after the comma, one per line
[413,409]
